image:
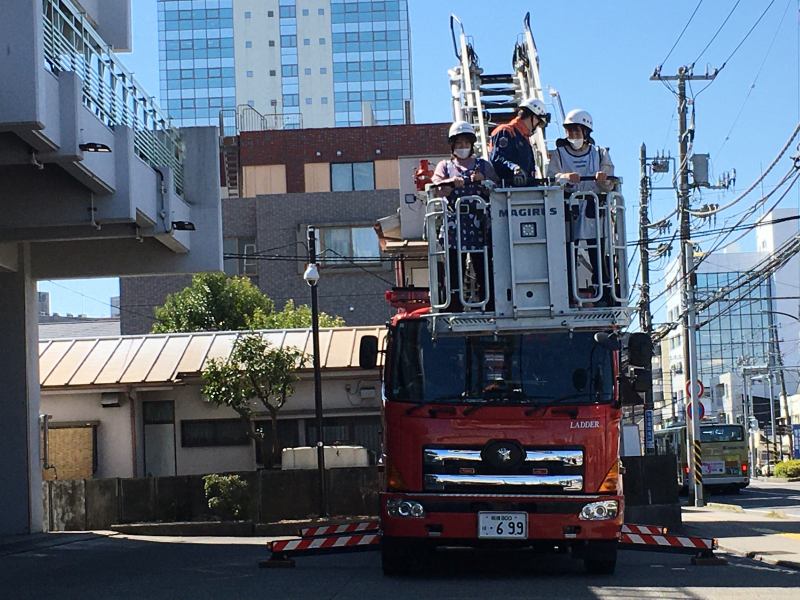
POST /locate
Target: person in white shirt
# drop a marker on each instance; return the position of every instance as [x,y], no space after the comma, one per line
[578,164]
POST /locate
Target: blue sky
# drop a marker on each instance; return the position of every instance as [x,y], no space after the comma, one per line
[599,56]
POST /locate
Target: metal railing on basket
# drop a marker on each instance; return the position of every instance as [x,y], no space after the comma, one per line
[110,92]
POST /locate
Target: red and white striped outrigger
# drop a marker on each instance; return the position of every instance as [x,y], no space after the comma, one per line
[366,535]
[650,538]
[326,539]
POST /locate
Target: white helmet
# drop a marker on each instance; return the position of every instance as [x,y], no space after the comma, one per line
[461,128]
[578,116]
[537,107]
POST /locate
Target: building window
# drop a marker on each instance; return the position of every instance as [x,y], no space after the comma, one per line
[320,11]
[288,437]
[272,73]
[249,73]
[291,100]
[239,256]
[272,43]
[348,177]
[248,14]
[308,101]
[356,244]
[321,41]
[248,44]
[288,12]
[323,100]
[213,432]
[307,71]
[289,41]
[306,42]
[323,70]
[305,12]
[270,13]
[289,70]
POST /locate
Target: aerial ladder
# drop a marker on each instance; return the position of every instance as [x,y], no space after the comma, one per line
[532,272]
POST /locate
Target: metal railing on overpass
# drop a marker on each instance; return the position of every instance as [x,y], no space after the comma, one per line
[110,92]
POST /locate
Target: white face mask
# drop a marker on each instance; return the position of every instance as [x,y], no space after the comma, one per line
[576,144]
[462,152]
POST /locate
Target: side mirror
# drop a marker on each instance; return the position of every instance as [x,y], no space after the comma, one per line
[640,350]
[628,394]
[368,352]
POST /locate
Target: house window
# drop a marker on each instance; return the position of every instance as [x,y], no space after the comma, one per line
[347,177]
[358,244]
[213,432]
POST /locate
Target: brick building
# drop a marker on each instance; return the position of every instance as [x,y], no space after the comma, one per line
[280,181]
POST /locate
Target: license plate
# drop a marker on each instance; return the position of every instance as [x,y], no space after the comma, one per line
[503,525]
[714,468]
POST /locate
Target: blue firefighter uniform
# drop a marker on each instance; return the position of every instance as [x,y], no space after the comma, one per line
[510,147]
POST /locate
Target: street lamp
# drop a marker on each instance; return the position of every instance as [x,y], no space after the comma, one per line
[311,275]
[771,454]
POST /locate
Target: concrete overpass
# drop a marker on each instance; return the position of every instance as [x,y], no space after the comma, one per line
[94,181]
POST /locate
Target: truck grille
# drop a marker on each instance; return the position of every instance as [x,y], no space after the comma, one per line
[503,466]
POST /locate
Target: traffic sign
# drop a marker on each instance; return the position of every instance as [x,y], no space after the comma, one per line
[699,388]
[701,410]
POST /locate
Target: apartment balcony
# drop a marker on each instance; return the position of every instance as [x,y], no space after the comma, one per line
[95,177]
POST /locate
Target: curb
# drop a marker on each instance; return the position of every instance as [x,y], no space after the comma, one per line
[776,562]
[722,506]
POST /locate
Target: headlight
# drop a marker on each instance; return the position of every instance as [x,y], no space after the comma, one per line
[405,508]
[599,511]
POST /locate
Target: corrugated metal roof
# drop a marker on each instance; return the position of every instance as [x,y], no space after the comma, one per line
[165,358]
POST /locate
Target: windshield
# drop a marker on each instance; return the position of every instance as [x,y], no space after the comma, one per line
[721,433]
[530,368]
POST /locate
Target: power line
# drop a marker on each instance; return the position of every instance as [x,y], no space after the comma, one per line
[694,12]
[719,29]
[755,79]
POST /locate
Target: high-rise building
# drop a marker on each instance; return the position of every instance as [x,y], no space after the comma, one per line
[291,63]
[735,331]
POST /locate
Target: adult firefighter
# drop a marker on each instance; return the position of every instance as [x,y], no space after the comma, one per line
[510,149]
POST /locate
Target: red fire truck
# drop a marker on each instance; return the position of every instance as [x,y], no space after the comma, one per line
[502,418]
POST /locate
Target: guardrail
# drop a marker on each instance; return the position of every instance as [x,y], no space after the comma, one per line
[110,92]
[233,121]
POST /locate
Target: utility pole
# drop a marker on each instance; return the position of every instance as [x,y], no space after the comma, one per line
[687,276]
[645,318]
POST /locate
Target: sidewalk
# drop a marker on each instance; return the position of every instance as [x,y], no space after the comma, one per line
[13,544]
[748,533]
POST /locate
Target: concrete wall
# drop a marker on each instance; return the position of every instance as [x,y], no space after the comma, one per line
[20,502]
[260,58]
[315,85]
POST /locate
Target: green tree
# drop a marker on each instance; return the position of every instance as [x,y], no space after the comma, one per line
[298,317]
[216,302]
[255,373]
